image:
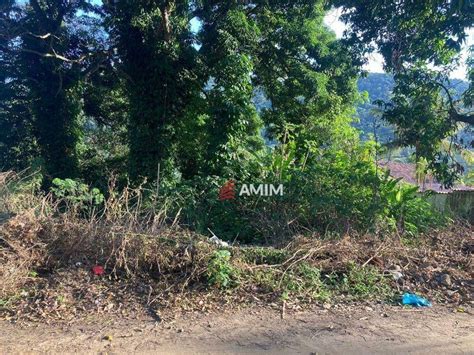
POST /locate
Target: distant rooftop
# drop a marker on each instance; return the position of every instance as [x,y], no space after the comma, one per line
[407,171]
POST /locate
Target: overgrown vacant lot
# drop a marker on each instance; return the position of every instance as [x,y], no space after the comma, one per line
[49,249]
[204,159]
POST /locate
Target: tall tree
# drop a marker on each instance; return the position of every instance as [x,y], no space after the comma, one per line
[156,47]
[17,143]
[420,42]
[51,45]
[308,75]
[229,42]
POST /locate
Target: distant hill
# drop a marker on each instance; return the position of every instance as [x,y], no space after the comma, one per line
[379,87]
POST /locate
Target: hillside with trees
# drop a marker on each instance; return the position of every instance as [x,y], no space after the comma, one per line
[379,87]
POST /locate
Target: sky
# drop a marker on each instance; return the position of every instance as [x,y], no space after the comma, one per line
[375,63]
[375,60]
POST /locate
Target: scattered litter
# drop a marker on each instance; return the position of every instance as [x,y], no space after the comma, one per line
[414,300]
[219,242]
[395,272]
[215,239]
[397,275]
[98,270]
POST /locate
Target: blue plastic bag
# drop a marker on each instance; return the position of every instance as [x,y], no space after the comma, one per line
[415,301]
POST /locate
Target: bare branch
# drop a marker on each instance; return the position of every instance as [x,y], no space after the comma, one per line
[453,112]
[56,56]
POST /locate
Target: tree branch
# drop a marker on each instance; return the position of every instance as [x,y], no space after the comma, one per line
[460,117]
[55,56]
[166,10]
[453,112]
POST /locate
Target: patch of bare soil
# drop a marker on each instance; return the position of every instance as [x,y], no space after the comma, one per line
[345,329]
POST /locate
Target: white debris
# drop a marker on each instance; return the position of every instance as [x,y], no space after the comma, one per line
[215,239]
[397,275]
[218,242]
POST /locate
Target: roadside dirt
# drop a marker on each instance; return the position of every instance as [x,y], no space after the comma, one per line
[358,330]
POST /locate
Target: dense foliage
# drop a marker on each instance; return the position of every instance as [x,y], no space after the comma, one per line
[380,89]
[180,96]
[420,42]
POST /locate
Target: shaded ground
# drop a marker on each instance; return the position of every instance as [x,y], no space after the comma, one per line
[374,329]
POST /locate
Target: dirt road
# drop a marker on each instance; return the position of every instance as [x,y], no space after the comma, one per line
[361,330]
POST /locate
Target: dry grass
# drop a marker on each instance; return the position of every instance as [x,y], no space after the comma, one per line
[42,232]
[20,252]
[47,249]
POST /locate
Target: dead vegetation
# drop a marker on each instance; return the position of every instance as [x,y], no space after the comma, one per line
[47,250]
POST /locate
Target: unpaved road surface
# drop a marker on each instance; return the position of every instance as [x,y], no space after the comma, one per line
[362,330]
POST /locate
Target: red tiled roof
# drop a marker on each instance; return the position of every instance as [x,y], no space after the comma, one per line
[407,171]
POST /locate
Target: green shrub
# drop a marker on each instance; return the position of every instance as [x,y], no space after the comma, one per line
[264,255]
[220,272]
[362,283]
[405,210]
[76,194]
[301,281]
[332,190]
[335,192]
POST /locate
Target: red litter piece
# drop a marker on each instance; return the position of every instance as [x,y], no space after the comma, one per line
[98,270]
